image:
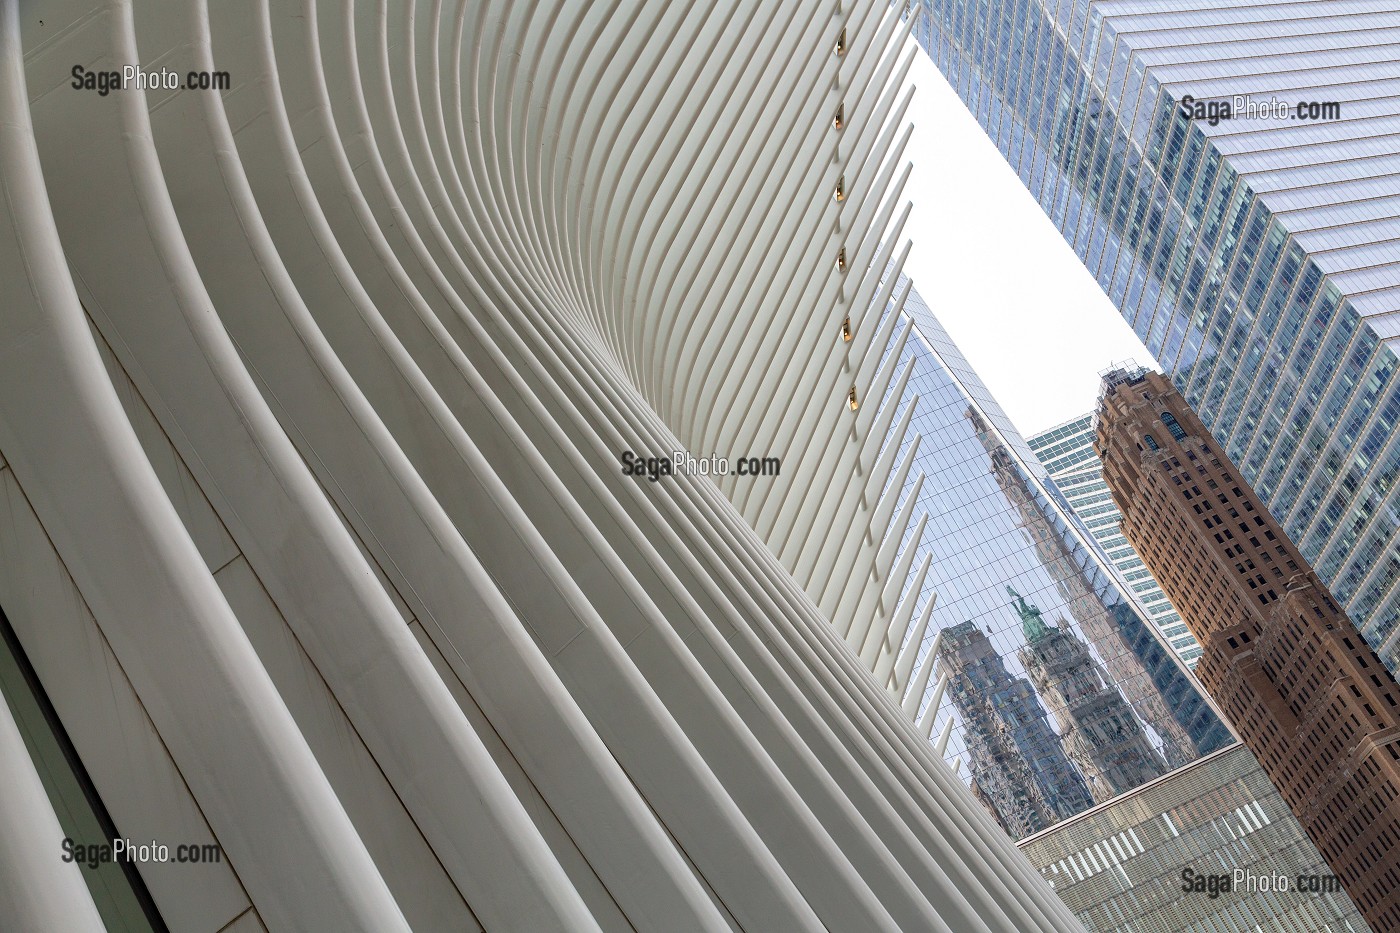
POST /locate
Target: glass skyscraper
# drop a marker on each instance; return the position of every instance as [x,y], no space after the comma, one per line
[1249,239]
[1067,453]
[1070,718]
[1058,695]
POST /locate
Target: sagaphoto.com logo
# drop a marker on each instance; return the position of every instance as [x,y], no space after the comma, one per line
[1244,881]
[135,78]
[93,855]
[1214,111]
[684,463]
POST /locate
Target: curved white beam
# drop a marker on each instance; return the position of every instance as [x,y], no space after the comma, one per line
[38,891]
[397,303]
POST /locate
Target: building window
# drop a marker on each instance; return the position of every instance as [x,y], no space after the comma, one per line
[116,887]
[1173,426]
[1150,441]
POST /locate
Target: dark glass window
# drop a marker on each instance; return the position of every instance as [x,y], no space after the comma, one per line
[117,890]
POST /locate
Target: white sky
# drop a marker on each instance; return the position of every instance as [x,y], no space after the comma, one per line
[1025,312]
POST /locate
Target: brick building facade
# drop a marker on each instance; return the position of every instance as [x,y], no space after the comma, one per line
[1303,689]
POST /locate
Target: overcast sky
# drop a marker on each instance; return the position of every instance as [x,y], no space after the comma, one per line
[1027,314]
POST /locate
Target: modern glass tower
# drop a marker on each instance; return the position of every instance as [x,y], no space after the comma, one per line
[1249,239]
[1036,633]
[1053,708]
[1067,453]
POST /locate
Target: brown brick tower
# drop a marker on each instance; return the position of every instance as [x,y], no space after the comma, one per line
[1300,686]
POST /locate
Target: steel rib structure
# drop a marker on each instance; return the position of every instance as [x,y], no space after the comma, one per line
[312,398]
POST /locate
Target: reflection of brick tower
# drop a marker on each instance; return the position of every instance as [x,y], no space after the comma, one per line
[1100,732]
[1097,621]
[1019,771]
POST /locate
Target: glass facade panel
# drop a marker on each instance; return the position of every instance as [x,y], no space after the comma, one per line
[1215,241]
[1123,868]
[1058,694]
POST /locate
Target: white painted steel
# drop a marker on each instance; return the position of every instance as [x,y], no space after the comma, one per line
[318,389]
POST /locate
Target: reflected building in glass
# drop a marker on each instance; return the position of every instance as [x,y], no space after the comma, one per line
[1140,668]
[1230,175]
[1046,660]
[1098,728]
[1066,451]
[1018,767]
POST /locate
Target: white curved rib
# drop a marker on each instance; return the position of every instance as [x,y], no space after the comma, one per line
[399,301]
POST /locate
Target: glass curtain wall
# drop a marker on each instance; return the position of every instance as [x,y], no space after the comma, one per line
[1059,694]
[1255,259]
